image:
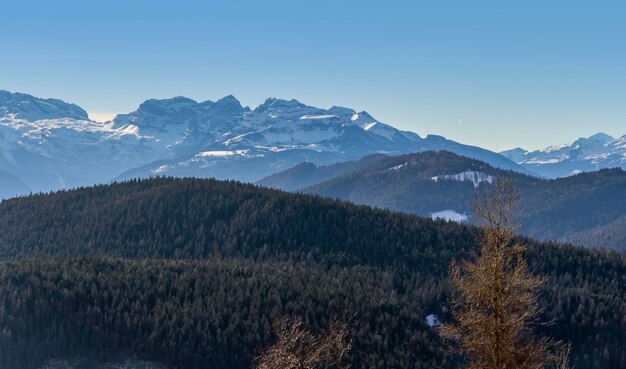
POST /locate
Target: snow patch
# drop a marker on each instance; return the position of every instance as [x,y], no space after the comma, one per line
[221,153]
[433,321]
[472,176]
[397,167]
[323,116]
[161,169]
[369,126]
[449,215]
[554,148]
[544,161]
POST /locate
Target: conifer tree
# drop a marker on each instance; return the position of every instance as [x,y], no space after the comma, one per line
[496,305]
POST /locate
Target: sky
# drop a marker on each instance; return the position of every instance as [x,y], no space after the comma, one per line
[496,74]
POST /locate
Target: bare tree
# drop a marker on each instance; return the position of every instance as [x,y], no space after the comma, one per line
[297,348]
[336,343]
[496,305]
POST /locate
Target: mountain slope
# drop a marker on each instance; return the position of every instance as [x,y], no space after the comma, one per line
[50,144]
[307,174]
[443,184]
[11,186]
[613,233]
[186,272]
[584,155]
[23,106]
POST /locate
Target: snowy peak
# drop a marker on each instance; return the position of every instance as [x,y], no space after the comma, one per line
[583,155]
[178,109]
[602,138]
[183,122]
[341,111]
[23,106]
[273,103]
[282,111]
[170,110]
[228,104]
[517,154]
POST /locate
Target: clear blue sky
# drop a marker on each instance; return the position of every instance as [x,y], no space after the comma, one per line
[498,74]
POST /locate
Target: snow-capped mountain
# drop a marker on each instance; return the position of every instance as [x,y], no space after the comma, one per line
[225,140]
[584,155]
[47,144]
[22,106]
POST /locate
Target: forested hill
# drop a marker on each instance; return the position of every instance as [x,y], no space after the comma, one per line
[195,218]
[191,273]
[584,209]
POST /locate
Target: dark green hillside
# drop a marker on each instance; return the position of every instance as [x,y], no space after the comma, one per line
[561,208]
[191,272]
[194,218]
[206,314]
[403,183]
[567,209]
[613,233]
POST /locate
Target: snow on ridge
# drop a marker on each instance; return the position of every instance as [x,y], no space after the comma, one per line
[472,176]
[396,167]
[221,153]
[554,148]
[597,156]
[544,161]
[321,116]
[161,169]
[46,126]
[369,126]
[449,215]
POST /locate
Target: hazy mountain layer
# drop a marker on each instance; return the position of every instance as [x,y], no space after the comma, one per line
[584,155]
[443,185]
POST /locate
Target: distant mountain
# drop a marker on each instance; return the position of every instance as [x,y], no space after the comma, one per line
[442,185]
[584,155]
[22,106]
[225,140]
[307,174]
[11,186]
[50,144]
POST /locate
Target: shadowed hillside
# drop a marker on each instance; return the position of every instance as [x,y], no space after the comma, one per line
[189,272]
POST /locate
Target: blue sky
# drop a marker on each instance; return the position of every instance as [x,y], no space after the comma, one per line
[497,74]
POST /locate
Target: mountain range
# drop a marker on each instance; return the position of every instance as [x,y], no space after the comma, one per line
[583,155]
[587,209]
[48,144]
